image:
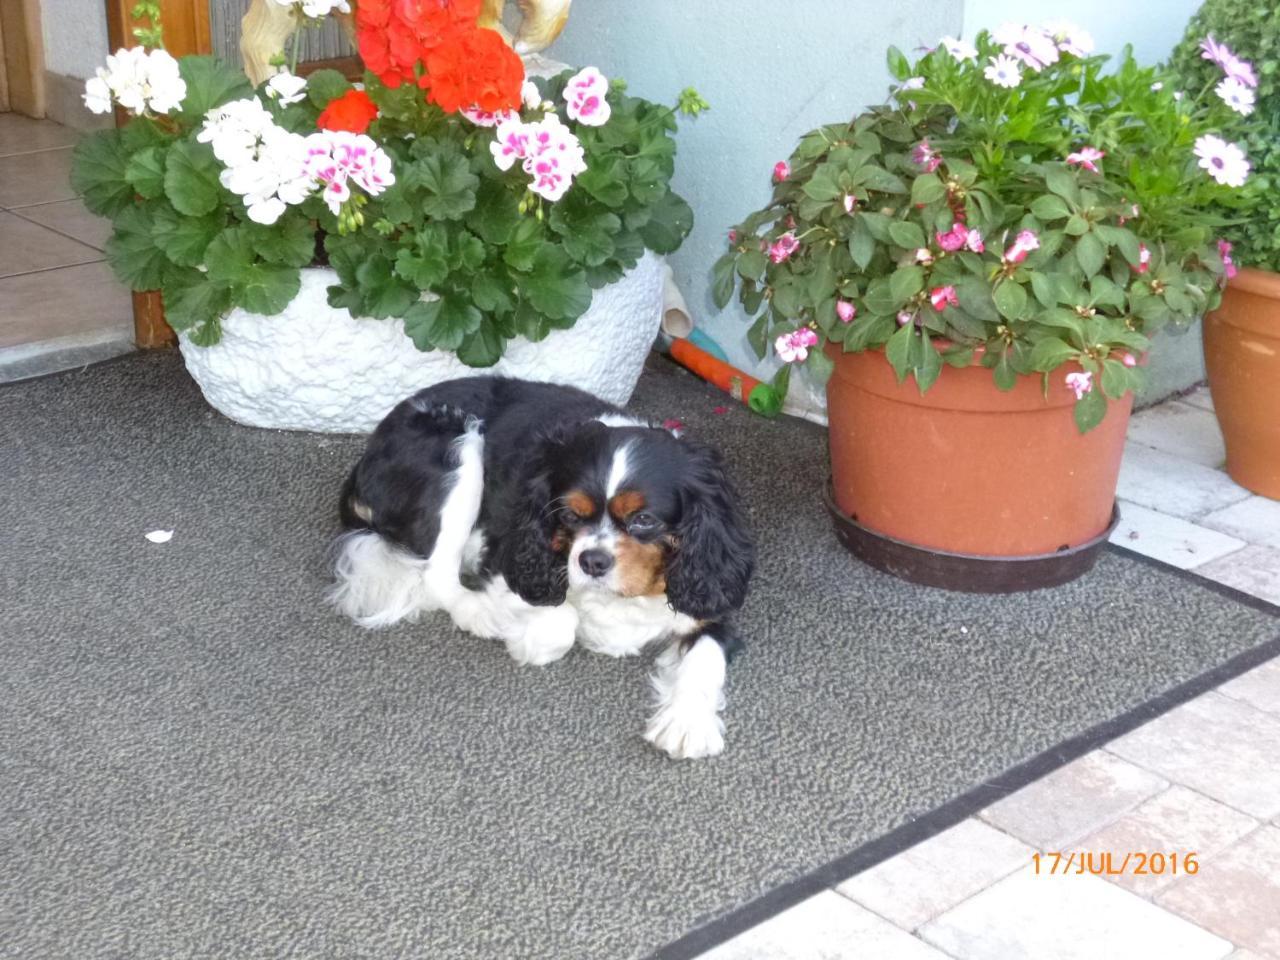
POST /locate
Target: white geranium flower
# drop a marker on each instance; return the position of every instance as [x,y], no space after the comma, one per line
[165,86]
[286,88]
[530,96]
[97,95]
[315,9]
[139,80]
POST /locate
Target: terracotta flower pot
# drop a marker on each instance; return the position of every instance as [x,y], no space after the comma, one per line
[967,468]
[1242,355]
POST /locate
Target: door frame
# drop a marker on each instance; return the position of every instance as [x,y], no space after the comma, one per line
[22,57]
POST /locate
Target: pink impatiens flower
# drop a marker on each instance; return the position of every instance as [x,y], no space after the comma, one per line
[781,170]
[794,347]
[924,256]
[1087,157]
[905,317]
[960,237]
[733,236]
[925,156]
[846,311]
[850,201]
[943,297]
[1224,251]
[1081,383]
[1129,360]
[1023,243]
[1144,259]
[782,248]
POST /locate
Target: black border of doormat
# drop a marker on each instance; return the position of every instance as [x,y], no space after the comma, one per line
[933,822]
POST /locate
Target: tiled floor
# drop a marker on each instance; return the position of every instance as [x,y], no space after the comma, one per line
[1203,779]
[59,304]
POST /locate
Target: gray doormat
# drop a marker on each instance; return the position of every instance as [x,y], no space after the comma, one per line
[198,759]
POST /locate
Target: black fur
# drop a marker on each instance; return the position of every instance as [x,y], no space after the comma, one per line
[542,441]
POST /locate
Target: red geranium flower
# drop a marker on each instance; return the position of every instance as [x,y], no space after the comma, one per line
[352,111]
[476,68]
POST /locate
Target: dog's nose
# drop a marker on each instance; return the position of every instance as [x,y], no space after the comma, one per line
[595,563]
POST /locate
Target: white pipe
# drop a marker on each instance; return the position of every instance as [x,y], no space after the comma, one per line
[676,321]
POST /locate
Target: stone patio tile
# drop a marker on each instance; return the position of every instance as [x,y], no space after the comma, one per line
[1170,484]
[1255,570]
[1170,540]
[1225,749]
[936,874]
[1236,894]
[1073,801]
[1066,918]
[824,927]
[1178,821]
[1186,431]
[1255,520]
[1260,687]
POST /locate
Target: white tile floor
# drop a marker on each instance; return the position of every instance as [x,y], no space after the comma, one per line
[1203,778]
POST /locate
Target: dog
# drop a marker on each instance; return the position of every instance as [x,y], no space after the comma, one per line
[539,515]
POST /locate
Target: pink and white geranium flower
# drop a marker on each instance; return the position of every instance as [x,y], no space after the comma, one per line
[1087,157]
[794,347]
[512,143]
[1080,383]
[338,158]
[782,248]
[1223,161]
[1003,71]
[488,118]
[1029,44]
[1235,95]
[555,156]
[925,156]
[585,94]
[1023,244]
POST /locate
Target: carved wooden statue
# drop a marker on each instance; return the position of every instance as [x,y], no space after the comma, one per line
[267,26]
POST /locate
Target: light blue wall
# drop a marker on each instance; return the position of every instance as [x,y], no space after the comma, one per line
[772,71]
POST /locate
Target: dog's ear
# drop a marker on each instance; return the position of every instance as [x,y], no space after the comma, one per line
[714,557]
[527,557]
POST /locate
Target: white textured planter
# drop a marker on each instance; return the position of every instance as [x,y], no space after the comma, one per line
[313,367]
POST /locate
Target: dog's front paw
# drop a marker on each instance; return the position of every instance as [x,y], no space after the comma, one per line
[686,731]
[546,637]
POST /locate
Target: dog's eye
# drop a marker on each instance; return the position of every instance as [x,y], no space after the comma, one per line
[642,523]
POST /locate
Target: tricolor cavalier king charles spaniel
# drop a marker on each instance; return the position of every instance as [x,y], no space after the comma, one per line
[539,515]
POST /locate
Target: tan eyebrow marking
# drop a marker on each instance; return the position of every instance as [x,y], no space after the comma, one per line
[580,503]
[626,503]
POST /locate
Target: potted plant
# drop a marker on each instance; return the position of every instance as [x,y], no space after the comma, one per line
[325,248]
[1242,337]
[1005,234]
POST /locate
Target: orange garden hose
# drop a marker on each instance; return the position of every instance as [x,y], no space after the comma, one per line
[760,397]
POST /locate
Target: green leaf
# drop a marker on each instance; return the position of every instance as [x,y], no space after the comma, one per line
[906,234]
[1090,254]
[899,350]
[210,83]
[185,239]
[820,366]
[441,324]
[758,336]
[258,287]
[192,300]
[290,240]
[877,224]
[384,294]
[722,280]
[671,222]
[481,348]
[145,172]
[1045,288]
[1006,376]
[1011,298]
[822,185]
[605,181]
[325,86]
[493,291]
[496,213]
[586,231]
[426,263]
[927,188]
[448,186]
[191,178]
[1076,225]
[98,166]
[930,365]
[1050,207]
[132,251]
[555,285]
[1089,410]
[1051,353]
[526,240]
[1115,379]
[1061,182]
[899,66]
[751,265]
[862,245]
[905,282]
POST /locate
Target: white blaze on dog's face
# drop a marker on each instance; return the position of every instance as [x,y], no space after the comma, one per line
[620,522]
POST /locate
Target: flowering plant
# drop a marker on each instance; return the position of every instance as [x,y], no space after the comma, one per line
[1016,205]
[1232,47]
[447,190]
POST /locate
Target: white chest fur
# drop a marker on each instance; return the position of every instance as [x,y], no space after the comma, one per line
[623,626]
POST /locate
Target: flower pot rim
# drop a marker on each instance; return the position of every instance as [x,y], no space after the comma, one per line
[1264,283]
